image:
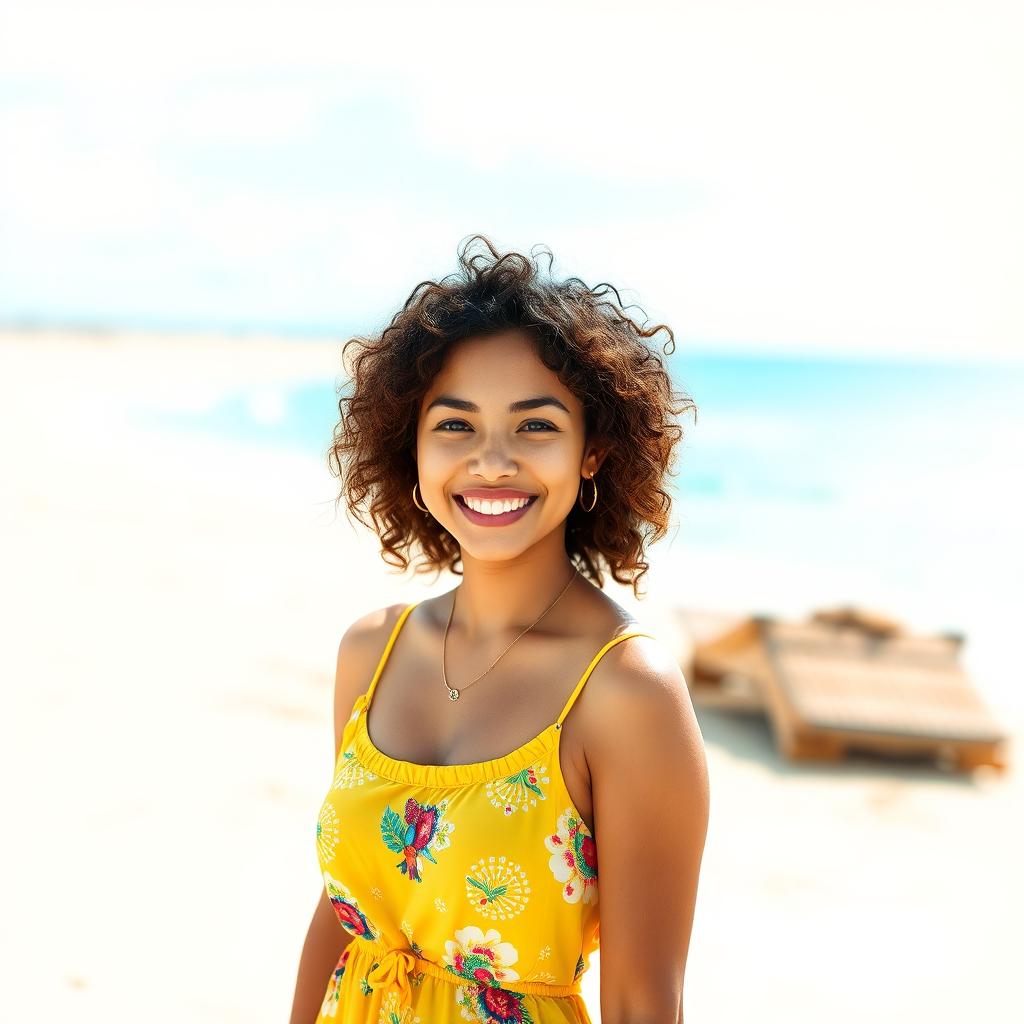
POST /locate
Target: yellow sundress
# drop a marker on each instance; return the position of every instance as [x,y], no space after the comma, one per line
[470,889]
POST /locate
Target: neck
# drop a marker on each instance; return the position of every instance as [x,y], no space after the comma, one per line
[496,599]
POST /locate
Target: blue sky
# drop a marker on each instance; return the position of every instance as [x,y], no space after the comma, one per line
[799,177]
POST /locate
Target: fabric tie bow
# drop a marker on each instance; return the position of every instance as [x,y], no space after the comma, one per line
[393,970]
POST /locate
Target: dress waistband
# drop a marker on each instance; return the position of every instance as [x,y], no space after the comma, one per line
[401,968]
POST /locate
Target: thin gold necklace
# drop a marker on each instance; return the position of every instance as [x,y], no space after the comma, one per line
[453,694]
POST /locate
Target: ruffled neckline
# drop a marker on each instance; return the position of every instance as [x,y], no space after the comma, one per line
[447,775]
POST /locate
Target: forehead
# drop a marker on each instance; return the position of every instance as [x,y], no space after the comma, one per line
[497,364]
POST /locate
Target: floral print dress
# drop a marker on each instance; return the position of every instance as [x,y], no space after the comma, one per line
[470,890]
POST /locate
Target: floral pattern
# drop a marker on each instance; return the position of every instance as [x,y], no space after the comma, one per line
[573,859]
[345,906]
[518,792]
[543,977]
[351,772]
[406,930]
[516,940]
[497,888]
[421,832]
[328,832]
[475,961]
[329,1008]
[391,1011]
[485,961]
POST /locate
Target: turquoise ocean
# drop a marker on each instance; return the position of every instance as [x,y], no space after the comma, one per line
[803,482]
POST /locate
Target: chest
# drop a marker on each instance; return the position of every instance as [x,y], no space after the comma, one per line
[411,721]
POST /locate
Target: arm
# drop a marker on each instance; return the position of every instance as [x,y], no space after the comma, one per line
[325,942]
[651,806]
[326,939]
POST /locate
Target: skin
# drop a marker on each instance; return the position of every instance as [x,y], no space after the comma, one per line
[542,451]
[631,751]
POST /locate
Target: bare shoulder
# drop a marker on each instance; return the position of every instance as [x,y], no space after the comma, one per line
[638,690]
[370,630]
[359,650]
[651,801]
[640,668]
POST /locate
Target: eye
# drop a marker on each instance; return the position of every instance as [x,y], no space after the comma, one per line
[448,423]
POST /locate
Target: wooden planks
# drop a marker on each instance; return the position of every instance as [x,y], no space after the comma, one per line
[843,680]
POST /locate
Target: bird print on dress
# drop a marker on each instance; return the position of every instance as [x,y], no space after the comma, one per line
[474,944]
[421,831]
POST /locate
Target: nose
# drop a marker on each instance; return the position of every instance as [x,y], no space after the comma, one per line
[492,461]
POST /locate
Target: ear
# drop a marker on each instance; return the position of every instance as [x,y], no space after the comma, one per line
[593,457]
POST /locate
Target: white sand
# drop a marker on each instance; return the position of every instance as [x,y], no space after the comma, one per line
[171,607]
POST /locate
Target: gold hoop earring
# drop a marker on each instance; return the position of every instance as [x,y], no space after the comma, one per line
[425,511]
[580,497]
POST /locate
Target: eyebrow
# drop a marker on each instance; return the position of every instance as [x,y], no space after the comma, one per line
[521,406]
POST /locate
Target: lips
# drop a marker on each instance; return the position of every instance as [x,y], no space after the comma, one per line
[500,518]
[461,497]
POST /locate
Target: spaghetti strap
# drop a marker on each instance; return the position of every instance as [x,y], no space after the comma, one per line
[383,839]
[590,668]
[367,697]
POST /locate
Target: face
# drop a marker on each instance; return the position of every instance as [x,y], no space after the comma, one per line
[500,448]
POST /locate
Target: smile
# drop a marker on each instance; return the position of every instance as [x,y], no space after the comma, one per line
[494,512]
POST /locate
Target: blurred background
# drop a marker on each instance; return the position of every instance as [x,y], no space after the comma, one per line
[200,202]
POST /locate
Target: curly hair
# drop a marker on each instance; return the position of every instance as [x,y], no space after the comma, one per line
[598,353]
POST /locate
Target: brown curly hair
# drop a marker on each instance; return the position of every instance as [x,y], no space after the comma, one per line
[596,350]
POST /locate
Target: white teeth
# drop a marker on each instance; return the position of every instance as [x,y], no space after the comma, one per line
[495,507]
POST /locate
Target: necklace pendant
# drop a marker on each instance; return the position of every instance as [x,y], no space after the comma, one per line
[453,694]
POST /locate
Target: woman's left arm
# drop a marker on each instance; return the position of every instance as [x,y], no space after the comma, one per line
[651,799]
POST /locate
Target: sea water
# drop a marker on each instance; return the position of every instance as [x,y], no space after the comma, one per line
[804,482]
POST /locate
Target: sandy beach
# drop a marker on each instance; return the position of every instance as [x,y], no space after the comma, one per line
[172,604]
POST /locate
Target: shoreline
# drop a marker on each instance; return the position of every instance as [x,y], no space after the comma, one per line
[173,621]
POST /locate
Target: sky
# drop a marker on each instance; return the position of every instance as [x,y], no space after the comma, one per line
[824,178]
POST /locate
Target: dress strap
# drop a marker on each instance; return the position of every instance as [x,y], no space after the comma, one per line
[593,664]
[367,697]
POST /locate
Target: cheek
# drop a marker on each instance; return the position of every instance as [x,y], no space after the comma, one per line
[557,463]
[436,462]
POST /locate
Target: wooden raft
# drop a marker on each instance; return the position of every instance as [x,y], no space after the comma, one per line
[845,679]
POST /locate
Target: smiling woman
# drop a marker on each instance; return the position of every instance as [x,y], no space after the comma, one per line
[459,839]
[615,384]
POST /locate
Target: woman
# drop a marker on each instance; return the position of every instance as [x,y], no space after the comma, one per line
[517,431]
